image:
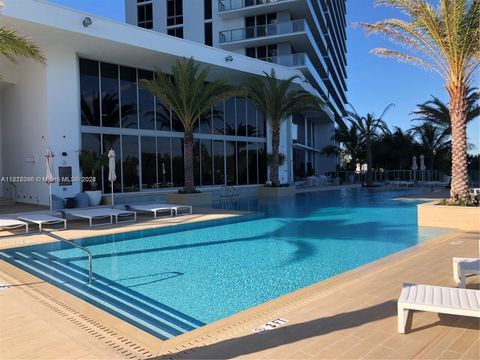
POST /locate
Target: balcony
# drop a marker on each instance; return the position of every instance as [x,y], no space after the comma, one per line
[228,8]
[291,60]
[254,33]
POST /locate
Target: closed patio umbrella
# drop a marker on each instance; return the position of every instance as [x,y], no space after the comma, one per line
[422,165]
[111,169]
[414,167]
[50,176]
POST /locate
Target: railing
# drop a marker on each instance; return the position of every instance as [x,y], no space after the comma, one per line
[290,60]
[357,177]
[89,253]
[227,5]
[253,32]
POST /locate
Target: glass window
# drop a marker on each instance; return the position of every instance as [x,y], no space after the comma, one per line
[261,126]
[242,163]
[128,97]
[92,144]
[177,32]
[110,106]
[207,9]
[206,123]
[252,163]
[112,142]
[262,163]
[149,162]
[218,163]
[146,107]
[130,160]
[196,162]
[177,162]
[176,123]
[162,116]
[145,16]
[231,163]
[174,12]
[207,163]
[299,120]
[250,52]
[89,91]
[164,162]
[230,126]
[208,34]
[251,119]
[218,119]
[309,132]
[298,164]
[241,111]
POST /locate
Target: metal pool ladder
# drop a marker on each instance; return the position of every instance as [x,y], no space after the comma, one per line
[89,253]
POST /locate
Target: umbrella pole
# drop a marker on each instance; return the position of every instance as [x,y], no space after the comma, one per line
[50,196]
[111,186]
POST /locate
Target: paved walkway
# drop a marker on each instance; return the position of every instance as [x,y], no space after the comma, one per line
[350,316]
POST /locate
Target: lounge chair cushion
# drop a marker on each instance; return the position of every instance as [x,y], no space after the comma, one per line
[57,203]
[81,200]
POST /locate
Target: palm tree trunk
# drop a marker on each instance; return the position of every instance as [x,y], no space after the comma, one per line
[188,162]
[275,155]
[369,162]
[458,117]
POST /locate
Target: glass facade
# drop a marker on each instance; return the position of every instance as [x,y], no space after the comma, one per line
[230,146]
[303,134]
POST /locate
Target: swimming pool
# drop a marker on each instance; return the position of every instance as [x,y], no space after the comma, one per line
[173,279]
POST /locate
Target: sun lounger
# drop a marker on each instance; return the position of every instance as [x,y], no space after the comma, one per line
[9,224]
[156,208]
[43,219]
[444,300]
[102,213]
[463,267]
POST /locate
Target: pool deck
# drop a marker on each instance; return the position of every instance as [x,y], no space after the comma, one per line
[349,316]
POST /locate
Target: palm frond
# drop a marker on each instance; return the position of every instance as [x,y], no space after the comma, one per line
[14,44]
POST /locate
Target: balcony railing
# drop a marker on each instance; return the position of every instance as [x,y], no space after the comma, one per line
[227,5]
[290,60]
[253,32]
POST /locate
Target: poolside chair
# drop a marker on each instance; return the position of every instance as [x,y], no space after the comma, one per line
[463,267]
[10,224]
[444,300]
[43,219]
[156,208]
[102,213]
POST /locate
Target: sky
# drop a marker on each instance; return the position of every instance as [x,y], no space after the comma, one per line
[373,82]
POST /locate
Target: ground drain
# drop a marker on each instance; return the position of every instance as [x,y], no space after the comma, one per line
[123,346]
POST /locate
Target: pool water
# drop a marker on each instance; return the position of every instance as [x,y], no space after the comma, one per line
[204,273]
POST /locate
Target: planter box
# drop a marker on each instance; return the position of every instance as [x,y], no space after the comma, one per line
[274,192]
[198,199]
[463,218]
[94,197]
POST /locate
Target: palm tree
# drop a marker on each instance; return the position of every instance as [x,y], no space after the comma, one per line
[348,146]
[445,40]
[436,112]
[276,101]
[433,140]
[13,44]
[190,96]
[394,150]
[369,130]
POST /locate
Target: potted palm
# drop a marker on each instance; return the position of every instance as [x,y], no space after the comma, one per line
[277,101]
[190,97]
[91,164]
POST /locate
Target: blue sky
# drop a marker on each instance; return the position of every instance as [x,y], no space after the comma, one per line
[373,82]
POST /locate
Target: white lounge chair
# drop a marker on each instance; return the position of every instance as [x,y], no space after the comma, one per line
[156,208]
[9,224]
[444,300]
[463,267]
[43,219]
[102,213]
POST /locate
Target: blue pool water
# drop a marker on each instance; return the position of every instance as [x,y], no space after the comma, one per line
[204,272]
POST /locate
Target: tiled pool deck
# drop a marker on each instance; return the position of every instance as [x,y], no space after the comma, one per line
[350,316]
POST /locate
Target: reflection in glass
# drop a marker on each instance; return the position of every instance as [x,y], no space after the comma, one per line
[146,102]
[252,163]
[218,122]
[128,97]
[130,163]
[206,123]
[176,123]
[89,90]
[177,162]
[231,163]
[251,119]
[218,163]
[242,163]
[112,142]
[207,164]
[149,162]
[299,120]
[110,105]
[196,162]
[230,127]
[164,162]
[261,126]
[262,163]
[241,111]
[92,144]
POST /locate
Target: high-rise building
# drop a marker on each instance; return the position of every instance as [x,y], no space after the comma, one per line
[309,35]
